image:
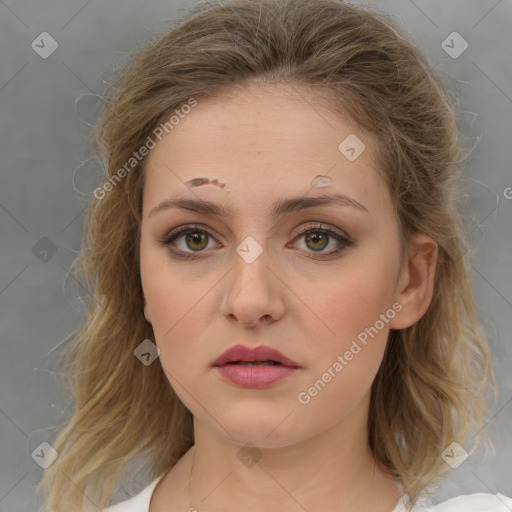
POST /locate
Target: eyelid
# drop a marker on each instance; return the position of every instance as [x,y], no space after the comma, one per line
[340,236]
[177,231]
[326,228]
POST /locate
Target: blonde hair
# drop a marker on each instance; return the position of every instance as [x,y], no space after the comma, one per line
[432,386]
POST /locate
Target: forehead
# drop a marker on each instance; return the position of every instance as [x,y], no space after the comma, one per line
[268,140]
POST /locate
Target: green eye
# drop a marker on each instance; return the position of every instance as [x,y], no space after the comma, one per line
[316,238]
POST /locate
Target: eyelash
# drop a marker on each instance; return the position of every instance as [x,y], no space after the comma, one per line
[181,230]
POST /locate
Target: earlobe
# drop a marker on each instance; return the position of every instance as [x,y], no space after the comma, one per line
[416,283]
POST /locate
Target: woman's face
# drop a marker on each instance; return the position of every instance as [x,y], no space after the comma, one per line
[252,277]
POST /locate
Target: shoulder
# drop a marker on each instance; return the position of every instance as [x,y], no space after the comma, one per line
[478,502]
[138,503]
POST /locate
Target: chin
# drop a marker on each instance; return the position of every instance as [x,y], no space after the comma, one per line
[275,428]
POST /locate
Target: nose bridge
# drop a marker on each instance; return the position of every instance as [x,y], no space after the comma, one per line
[253,289]
[251,265]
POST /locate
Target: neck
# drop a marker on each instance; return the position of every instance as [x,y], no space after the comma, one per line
[321,474]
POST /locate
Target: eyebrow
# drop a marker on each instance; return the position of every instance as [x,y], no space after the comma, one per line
[280,208]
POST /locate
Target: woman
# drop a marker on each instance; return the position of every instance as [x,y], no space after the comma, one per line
[281,316]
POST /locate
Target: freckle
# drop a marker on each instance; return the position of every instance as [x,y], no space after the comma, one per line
[321,181]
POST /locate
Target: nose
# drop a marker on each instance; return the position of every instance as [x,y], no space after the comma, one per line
[254,291]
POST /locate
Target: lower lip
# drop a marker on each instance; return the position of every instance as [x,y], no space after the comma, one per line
[255,376]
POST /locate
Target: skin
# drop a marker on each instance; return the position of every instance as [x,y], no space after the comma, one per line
[312,457]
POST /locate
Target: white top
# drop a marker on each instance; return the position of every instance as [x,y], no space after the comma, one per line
[478,502]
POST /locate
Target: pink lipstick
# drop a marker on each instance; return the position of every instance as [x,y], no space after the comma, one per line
[255,368]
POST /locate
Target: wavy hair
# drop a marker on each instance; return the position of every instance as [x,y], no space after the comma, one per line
[434,381]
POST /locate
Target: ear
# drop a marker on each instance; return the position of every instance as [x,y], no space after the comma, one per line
[147,314]
[416,281]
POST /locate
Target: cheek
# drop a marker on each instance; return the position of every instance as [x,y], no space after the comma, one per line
[175,303]
[177,309]
[171,293]
[355,313]
[176,312]
[344,364]
[353,300]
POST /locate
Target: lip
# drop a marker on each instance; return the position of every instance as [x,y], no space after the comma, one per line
[248,354]
[255,377]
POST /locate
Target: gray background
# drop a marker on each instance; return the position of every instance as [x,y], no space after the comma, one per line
[47,107]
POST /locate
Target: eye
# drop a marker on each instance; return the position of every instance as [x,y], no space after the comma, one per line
[194,238]
[195,241]
[317,238]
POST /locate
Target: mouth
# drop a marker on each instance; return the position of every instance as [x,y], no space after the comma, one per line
[255,368]
[257,356]
[256,363]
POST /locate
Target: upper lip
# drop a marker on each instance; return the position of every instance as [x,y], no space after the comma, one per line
[260,353]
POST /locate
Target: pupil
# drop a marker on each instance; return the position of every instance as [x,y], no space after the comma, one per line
[195,238]
[317,237]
